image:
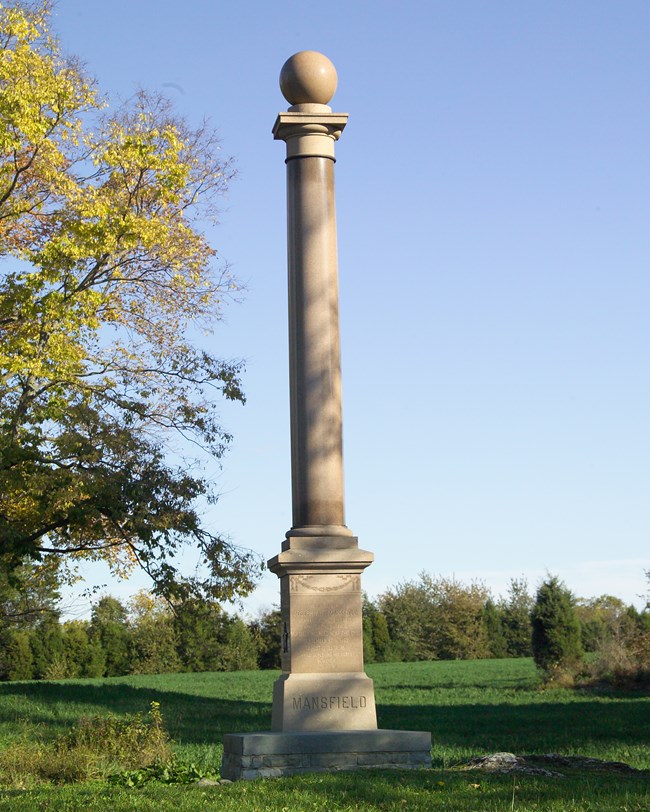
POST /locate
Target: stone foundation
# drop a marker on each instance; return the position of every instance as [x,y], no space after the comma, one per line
[272,755]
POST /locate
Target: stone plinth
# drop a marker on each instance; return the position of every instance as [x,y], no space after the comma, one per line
[272,755]
[323,685]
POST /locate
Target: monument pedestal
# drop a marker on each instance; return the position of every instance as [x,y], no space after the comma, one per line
[272,755]
[323,685]
[324,715]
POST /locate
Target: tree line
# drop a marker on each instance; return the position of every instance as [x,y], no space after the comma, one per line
[437,618]
[143,637]
[428,618]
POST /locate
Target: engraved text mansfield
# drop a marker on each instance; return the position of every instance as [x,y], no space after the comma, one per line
[327,702]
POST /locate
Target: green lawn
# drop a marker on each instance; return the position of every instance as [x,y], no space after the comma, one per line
[471,708]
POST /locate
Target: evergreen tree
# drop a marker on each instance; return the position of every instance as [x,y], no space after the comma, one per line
[16,658]
[76,647]
[492,623]
[557,647]
[46,642]
[198,626]
[237,651]
[108,627]
[377,643]
[381,641]
[517,629]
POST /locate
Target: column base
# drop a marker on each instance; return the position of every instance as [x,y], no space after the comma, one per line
[265,754]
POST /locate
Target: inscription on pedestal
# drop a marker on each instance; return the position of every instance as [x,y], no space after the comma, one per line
[326,632]
[324,701]
[315,703]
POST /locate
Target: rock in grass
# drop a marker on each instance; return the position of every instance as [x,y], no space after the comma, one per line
[538,765]
[508,763]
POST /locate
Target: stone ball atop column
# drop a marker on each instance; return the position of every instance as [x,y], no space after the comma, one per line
[308,77]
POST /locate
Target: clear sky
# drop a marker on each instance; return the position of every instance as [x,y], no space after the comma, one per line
[493,194]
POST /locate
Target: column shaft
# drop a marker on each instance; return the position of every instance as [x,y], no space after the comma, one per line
[315,370]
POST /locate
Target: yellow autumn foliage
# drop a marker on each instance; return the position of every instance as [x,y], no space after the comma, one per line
[104,269]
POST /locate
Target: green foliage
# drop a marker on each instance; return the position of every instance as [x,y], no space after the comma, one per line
[516,619]
[622,647]
[46,642]
[28,592]
[149,637]
[198,627]
[211,640]
[602,619]
[108,628]
[369,653]
[105,273]
[84,655]
[377,643]
[171,772]
[267,634]
[557,648]
[493,625]
[237,651]
[153,638]
[437,618]
[17,661]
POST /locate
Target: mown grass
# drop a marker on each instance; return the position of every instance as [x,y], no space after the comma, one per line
[471,708]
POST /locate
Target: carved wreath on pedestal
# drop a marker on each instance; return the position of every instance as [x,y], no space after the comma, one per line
[342,581]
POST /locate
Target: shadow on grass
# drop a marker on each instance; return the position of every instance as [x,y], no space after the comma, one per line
[479,728]
[526,728]
[189,719]
[393,790]
[521,685]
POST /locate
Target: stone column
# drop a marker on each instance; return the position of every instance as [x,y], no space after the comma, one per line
[323,685]
[323,704]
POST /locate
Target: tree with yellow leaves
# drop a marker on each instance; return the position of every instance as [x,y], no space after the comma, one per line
[103,269]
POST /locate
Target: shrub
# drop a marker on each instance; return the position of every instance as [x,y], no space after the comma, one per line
[623,656]
[557,648]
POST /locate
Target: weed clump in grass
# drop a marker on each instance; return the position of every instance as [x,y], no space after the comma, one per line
[95,748]
[132,741]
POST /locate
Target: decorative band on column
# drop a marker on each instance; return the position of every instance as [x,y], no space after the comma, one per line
[309,136]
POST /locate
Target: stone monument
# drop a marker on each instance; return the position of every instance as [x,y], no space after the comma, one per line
[324,713]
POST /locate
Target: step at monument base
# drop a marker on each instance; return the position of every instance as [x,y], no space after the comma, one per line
[272,755]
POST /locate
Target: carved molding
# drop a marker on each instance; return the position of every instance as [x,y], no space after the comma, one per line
[349,583]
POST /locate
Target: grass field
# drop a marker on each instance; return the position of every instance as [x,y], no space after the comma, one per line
[471,708]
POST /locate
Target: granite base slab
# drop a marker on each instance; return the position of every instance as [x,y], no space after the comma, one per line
[268,754]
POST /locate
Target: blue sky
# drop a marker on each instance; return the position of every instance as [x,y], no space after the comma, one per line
[493,194]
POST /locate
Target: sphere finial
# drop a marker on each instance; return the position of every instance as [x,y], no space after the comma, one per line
[308,77]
